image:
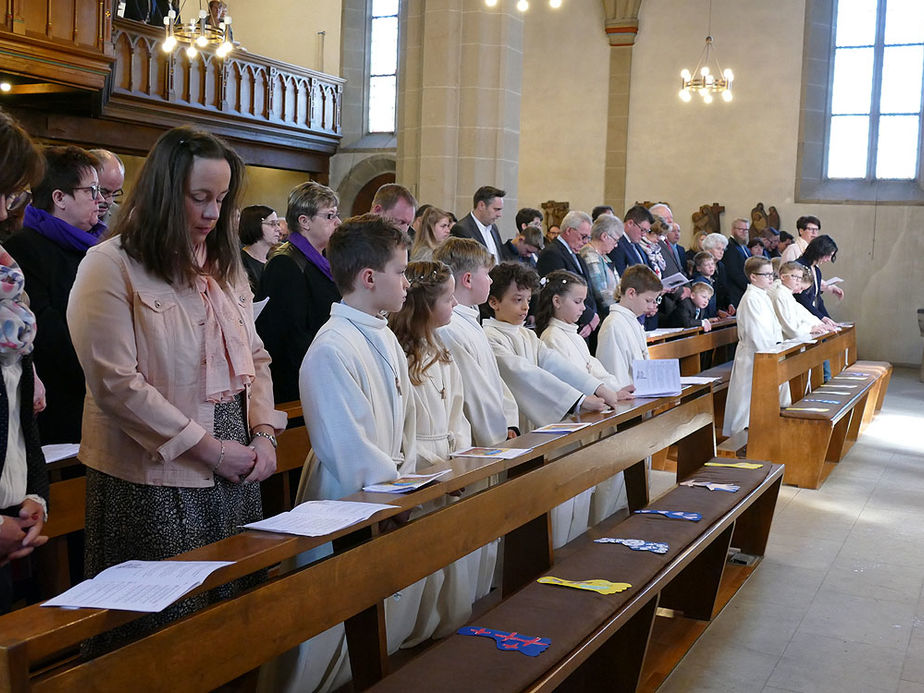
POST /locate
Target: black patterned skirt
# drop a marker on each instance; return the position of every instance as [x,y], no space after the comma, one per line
[127,521]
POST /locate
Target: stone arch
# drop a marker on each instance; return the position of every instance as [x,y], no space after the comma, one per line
[359,176]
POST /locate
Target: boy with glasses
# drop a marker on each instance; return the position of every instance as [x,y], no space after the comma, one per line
[758,330]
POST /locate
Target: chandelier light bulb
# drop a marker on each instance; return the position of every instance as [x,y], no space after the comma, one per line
[729,75]
[685,75]
[707,97]
[704,70]
[5,87]
[169,44]
[554,4]
[490,3]
[685,95]
[201,41]
[522,5]
[191,52]
[726,96]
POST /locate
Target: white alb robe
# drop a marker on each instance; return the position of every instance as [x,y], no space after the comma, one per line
[795,319]
[489,405]
[359,410]
[621,341]
[546,387]
[610,495]
[758,330]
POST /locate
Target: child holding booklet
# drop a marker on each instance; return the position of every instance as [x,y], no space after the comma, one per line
[795,319]
[441,428]
[560,304]
[758,330]
[546,386]
[622,339]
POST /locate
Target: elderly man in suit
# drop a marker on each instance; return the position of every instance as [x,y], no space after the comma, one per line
[736,282]
[481,223]
[628,252]
[564,254]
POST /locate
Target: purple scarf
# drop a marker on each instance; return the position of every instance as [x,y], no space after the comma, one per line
[60,232]
[312,253]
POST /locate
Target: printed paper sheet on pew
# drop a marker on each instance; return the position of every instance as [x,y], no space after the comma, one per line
[405,484]
[656,377]
[562,427]
[498,453]
[661,331]
[60,451]
[696,380]
[317,518]
[148,586]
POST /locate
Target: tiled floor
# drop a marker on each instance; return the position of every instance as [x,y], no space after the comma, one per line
[836,604]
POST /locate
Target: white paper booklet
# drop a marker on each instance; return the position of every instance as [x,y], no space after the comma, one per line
[499,453]
[317,518]
[147,586]
[561,427]
[696,380]
[672,282]
[60,451]
[404,484]
[656,377]
[663,331]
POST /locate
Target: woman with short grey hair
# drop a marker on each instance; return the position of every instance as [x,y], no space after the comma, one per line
[604,235]
[715,244]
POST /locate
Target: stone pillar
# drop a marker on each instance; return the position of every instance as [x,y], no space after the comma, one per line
[621,29]
[459,100]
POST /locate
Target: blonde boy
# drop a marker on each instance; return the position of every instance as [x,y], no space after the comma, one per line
[795,319]
[622,338]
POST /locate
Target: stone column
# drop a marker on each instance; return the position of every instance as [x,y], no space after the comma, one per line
[621,29]
[459,100]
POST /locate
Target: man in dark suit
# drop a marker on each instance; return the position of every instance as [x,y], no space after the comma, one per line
[480,224]
[627,252]
[564,254]
[149,11]
[674,253]
[736,282]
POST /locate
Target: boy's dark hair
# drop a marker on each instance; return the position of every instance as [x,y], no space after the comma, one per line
[639,277]
[64,167]
[526,215]
[507,273]
[601,209]
[360,242]
[753,265]
[755,242]
[701,257]
[817,248]
[786,237]
[802,222]
[638,214]
[485,194]
[555,283]
[250,227]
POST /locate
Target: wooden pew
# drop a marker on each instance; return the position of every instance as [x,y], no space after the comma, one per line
[810,437]
[368,565]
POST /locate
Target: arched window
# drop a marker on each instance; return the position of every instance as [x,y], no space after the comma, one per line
[381,104]
[863,102]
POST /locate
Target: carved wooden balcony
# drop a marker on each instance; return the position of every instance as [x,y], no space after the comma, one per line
[244,93]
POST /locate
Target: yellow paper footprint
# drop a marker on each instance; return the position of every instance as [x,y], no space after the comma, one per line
[735,465]
[596,585]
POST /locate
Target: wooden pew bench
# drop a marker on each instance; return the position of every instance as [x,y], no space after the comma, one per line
[369,563]
[811,436]
[598,642]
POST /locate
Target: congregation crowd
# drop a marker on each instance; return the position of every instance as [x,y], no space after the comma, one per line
[406,334]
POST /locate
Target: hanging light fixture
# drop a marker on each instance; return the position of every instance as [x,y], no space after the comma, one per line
[708,77]
[198,34]
[523,5]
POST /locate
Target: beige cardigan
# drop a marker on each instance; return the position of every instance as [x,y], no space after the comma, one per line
[139,342]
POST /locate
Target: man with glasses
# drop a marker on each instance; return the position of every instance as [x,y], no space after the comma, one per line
[564,254]
[60,225]
[395,203]
[111,172]
[736,282]
[636,222]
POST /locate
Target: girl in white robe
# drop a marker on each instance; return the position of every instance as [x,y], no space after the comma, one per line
[758,330]
[560,305]
[441,428]
[546,386]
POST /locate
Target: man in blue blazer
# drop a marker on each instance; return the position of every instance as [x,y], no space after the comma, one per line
[628,252]
[564,254]
[480,224]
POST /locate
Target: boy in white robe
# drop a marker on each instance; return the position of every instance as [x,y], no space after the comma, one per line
[359,410]
[546,386]
[621,339]
[758,330]
[795,319]
[489,405]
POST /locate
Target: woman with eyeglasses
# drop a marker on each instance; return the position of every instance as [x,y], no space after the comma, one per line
[59,226]
[298,282]
[259,229]
[23,477]
[179,424]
